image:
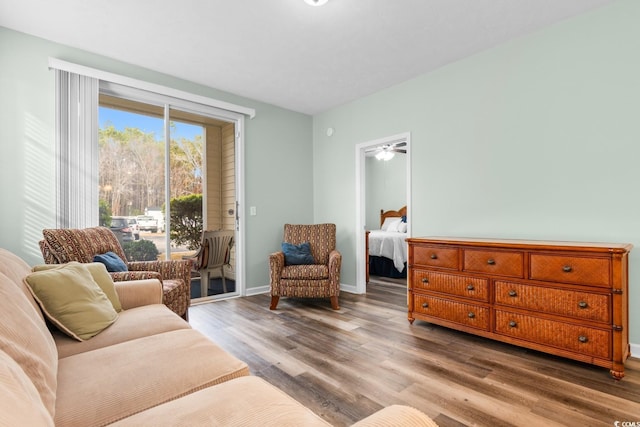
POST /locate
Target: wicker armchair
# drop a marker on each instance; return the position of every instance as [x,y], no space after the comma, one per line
[65,245]
[319,280]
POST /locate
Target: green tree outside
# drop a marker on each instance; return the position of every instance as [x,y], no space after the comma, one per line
[104,212]
[186,220]
[131,169]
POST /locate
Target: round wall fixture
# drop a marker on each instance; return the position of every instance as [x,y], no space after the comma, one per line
[329,131]
[315,2]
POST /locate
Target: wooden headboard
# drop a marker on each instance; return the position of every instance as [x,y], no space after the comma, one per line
[392,214]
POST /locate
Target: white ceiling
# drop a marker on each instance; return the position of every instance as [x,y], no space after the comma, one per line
[284,52]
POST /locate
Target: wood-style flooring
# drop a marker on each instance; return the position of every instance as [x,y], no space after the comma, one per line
[344,365]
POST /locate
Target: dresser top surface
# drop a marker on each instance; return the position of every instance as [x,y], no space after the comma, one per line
[525,244]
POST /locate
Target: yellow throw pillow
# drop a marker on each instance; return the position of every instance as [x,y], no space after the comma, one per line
[72,300]
[100,275]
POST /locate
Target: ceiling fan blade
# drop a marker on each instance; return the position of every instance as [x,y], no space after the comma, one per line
[373,150]
[391,146]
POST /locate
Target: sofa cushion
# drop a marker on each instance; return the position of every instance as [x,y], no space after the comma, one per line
[243,401]
[72,300]
[112,261]
[132,376]
[314,272]
[131,324]
[21,404]
[25,338]
[100,275]
[16,269]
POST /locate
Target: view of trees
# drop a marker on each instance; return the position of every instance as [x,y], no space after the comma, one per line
[186,220]
[131,170]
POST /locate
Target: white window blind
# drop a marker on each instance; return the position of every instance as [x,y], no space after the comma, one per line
[76,150]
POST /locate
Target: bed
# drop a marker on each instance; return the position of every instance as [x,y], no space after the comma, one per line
[387,246]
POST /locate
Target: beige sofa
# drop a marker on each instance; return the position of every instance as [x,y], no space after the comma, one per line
[148,367]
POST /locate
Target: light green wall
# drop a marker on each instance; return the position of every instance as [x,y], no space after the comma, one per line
[278,152]
[538,138]
[386,187]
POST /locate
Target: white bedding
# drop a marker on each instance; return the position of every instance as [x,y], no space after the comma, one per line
[389,244]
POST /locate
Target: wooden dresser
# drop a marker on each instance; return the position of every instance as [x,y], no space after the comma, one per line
[564,298]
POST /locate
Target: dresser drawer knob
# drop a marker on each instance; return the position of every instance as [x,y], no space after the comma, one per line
[491,261]
[567,269]
[583,339]
[471,315]
[434,256]
[470,287]
[513,324]
[513,293]
[425,305]
[583,304]
[425,280]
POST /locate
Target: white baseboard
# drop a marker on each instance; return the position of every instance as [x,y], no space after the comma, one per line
[348,288]
[257,291]
[635,350]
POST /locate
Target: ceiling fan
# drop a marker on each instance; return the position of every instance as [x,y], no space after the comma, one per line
[387,151]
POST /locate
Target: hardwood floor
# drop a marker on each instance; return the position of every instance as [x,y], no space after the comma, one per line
[347,364]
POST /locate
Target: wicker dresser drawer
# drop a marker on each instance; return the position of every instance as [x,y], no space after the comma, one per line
[435,256]
[563,302]
[576,338]
[453,311]
[465,286]
[494,262]
[570,269]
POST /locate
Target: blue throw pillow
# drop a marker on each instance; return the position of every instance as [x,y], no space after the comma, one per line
[297,254]
[112,261]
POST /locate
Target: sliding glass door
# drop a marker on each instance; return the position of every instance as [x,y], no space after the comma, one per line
[159,193]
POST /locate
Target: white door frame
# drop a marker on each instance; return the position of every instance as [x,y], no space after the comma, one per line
[361,285]
[239,243]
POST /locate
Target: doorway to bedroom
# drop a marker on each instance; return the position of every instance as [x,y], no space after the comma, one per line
[383,210]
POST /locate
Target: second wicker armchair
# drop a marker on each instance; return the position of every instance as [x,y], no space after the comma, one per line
[318,280]
[64,245]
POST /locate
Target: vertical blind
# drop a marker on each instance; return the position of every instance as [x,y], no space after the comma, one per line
[76,150]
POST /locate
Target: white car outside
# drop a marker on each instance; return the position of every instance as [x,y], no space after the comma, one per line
[147,223]
[135,228]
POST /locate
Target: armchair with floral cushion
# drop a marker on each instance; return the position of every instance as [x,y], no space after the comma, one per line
[308,266]
[64,245]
